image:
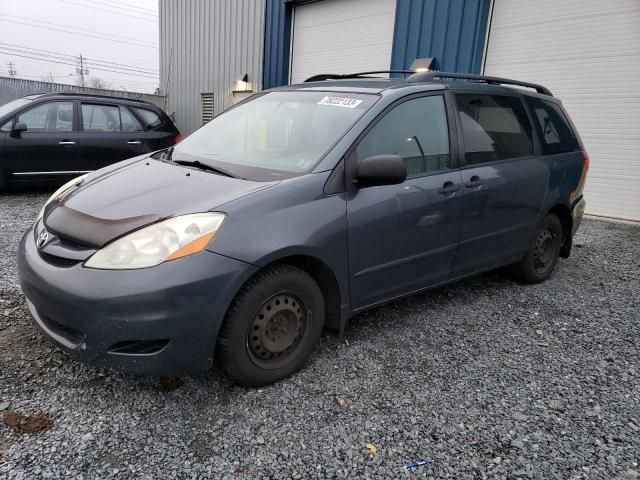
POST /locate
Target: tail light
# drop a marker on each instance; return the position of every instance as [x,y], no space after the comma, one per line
[585,162]
[583,176]
[179,137]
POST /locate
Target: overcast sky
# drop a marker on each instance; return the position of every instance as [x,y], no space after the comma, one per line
[118,38]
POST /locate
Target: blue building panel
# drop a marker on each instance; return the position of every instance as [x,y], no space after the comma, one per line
[451,31]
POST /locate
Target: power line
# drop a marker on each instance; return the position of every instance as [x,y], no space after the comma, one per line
[64,56]
[9,53]
[80,34]
[123,6]
[112,11]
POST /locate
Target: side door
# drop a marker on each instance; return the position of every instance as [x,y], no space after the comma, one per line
[109,133]
[404,237]
[48,148]
[504,181]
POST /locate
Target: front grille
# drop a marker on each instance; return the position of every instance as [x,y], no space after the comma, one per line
[138,347]
[71,335]
[58,261]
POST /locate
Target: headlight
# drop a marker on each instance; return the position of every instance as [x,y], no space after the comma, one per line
[163,241]
[67,186]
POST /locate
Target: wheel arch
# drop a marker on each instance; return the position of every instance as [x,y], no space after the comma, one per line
[563,213]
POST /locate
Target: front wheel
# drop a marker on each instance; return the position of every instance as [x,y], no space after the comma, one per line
[272,327]
[543,252]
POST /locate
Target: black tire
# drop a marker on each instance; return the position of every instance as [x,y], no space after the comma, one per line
[272,327]
[543,252]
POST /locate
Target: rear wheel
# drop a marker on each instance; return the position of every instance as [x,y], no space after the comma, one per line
[543,252]
[272,327]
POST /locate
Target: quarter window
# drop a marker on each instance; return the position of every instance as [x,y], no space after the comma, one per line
[100,118]
[557,136]
[494,128]
[417,131]
[48,117]
[151,119]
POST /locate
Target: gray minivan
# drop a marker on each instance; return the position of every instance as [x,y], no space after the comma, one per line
[295,210]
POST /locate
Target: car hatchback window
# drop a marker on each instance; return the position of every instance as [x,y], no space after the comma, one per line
[415,130]
[494,128]
[100,118]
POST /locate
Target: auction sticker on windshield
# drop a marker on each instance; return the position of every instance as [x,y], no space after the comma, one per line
[340,102]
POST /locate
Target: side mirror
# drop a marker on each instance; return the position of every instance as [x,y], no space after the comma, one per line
[381,170]
[20,127]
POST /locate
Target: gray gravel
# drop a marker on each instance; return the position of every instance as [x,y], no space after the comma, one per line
[489,378]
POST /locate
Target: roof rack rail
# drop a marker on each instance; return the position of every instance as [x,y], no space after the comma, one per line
[337,76]
[431,75]
[94,95]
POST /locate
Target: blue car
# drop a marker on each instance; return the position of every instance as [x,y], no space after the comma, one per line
[297,209]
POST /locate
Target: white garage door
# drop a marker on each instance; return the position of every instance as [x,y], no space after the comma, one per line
[588,53]
[341,36]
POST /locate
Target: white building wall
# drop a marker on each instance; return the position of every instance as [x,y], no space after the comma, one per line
[206,46]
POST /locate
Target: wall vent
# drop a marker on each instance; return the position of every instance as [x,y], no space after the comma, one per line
[207,106]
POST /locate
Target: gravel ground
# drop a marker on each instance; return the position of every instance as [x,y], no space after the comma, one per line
[489,378]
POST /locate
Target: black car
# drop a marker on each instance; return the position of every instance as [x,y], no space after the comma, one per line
[52,136]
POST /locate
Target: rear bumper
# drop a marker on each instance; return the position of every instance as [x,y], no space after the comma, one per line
[160,320]
[577,213]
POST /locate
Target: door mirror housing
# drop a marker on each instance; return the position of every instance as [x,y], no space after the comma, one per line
[381,170]
[19,127]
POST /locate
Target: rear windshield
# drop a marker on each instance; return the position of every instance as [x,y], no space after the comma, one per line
[278,132]
[556,134]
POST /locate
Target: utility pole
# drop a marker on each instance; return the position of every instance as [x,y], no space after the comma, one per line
[81,70]
[12,69]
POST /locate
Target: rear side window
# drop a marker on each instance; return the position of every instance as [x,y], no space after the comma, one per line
[100,118]
[494,127]
[415,130]
[128,121]
[150,119]
[557,136]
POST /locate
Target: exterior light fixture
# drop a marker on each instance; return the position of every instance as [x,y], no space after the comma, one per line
[423,64]
[243,84]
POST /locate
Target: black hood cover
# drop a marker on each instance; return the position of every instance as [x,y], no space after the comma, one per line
[115,201]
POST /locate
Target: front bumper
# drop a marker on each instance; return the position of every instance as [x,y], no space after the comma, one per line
[160,320]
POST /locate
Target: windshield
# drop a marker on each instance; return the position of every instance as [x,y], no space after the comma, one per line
[276,135]
[9,107]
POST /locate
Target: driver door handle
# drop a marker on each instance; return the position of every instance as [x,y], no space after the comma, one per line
[449,188]
[134,142]
[66,142]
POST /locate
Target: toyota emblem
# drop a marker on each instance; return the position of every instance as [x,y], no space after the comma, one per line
[43,236]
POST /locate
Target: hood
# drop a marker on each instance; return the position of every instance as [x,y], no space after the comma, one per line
[114,201]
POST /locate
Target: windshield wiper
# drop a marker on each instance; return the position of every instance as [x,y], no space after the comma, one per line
[203,166]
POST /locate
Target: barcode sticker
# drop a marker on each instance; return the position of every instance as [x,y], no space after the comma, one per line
[340,102]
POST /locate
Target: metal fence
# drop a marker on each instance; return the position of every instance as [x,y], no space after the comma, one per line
[12,88]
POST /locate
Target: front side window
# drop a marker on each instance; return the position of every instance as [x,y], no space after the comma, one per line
[494,127]
[415,130]
[100,118]
[557,136]
[48,117]
[276,134]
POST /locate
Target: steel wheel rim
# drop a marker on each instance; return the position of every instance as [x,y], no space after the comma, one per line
[278,329]
[544,250]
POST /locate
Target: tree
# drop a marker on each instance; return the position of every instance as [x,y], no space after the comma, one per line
[95,82]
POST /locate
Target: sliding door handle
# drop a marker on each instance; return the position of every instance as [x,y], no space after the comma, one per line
[473,182]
